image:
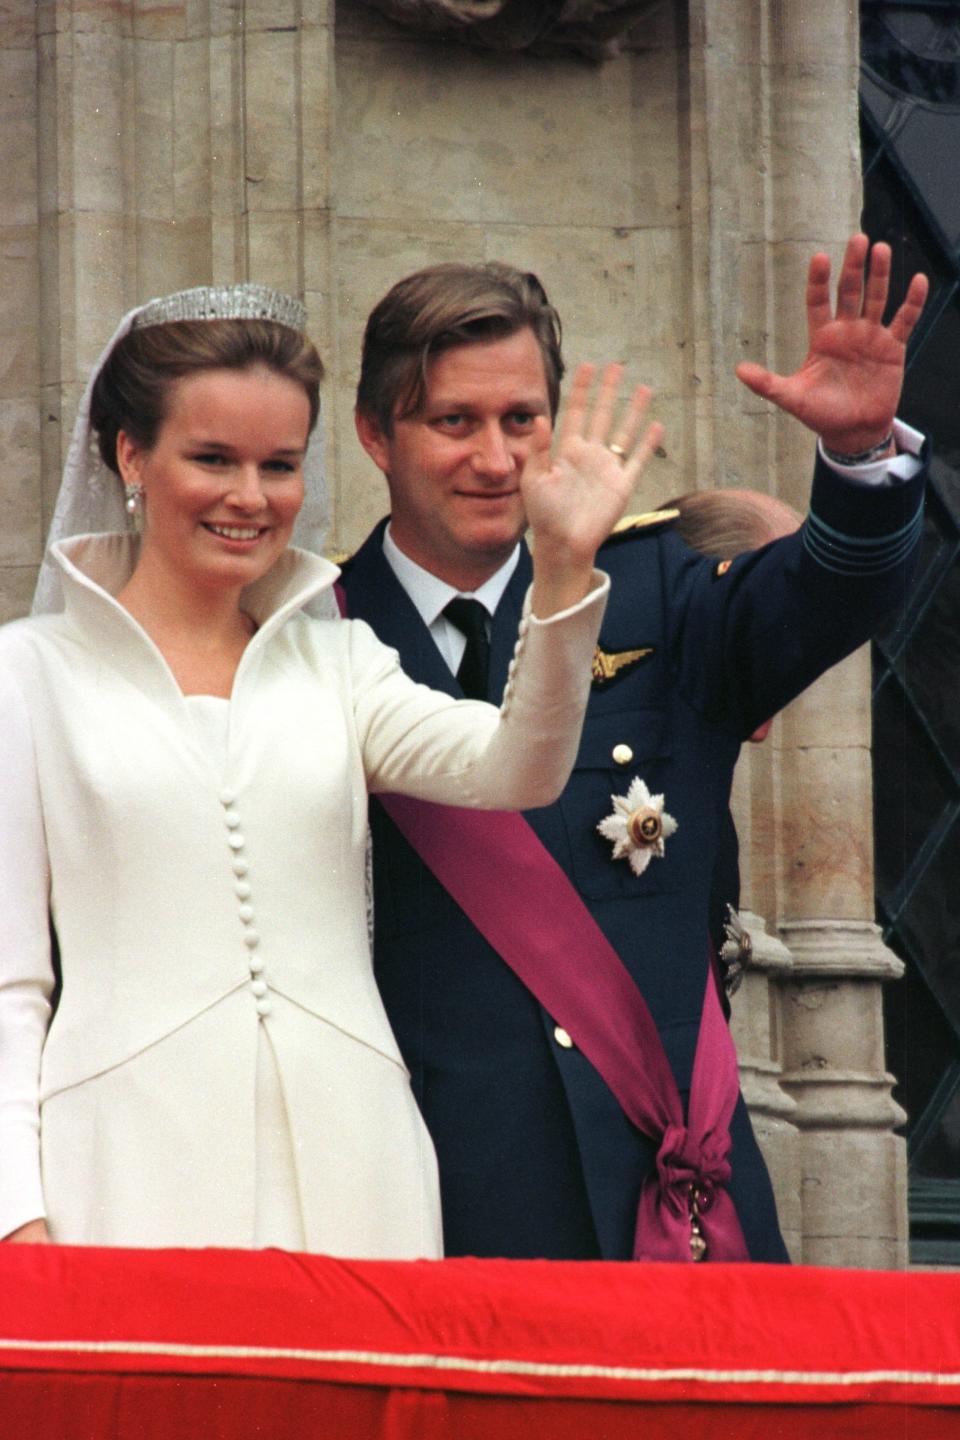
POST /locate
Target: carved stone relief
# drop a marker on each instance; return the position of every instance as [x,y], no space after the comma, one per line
[595,29]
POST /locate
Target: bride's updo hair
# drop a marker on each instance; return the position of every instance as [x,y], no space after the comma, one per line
[132,390]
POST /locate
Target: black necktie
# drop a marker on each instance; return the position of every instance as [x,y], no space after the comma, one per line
[470,618]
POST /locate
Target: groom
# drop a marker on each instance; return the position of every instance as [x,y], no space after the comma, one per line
[537,1155]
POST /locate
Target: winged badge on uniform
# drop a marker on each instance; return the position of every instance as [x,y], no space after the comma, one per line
[608,665]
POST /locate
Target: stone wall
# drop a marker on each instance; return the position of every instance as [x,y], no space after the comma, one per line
[21,517]
[148,145]
[669,199]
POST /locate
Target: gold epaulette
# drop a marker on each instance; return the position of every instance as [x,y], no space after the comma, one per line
[637,524]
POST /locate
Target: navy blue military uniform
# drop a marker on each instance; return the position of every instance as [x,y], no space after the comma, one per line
[536,1157]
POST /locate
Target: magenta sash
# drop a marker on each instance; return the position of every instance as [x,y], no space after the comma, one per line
[522,902]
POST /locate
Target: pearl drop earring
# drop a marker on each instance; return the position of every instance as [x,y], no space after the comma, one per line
[132,503]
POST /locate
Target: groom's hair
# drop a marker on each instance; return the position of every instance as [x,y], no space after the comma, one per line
[440,307]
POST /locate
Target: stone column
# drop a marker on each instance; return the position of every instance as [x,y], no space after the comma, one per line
[756,1026]
[773,116]
[21,520]
[853,1166]
[736,446]
[181,142]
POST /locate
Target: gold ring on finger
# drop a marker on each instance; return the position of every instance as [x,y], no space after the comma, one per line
[617,450]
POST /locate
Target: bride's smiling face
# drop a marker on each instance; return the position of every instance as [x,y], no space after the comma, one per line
[223,482]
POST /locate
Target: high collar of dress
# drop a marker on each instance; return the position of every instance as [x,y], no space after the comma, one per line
[96,567]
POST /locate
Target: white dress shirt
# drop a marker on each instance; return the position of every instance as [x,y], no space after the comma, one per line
[430,595]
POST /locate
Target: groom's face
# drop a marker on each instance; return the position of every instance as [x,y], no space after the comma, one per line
[453,468]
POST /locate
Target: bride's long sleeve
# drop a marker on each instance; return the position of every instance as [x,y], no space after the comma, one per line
[417,741]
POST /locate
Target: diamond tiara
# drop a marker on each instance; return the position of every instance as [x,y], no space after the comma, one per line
[224,302]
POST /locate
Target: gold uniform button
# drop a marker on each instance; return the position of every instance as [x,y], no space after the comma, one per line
[562,1037]
[622,754]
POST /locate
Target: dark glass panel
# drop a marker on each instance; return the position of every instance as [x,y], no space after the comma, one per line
[877,99]
[893,216]
[938,1155]
[911,138]
[930,665]
[931,392]
[929,925]
[913,47]
[920,1044]
[920,141]
[912,788]
[943,498]
[936,546]
[870,148]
